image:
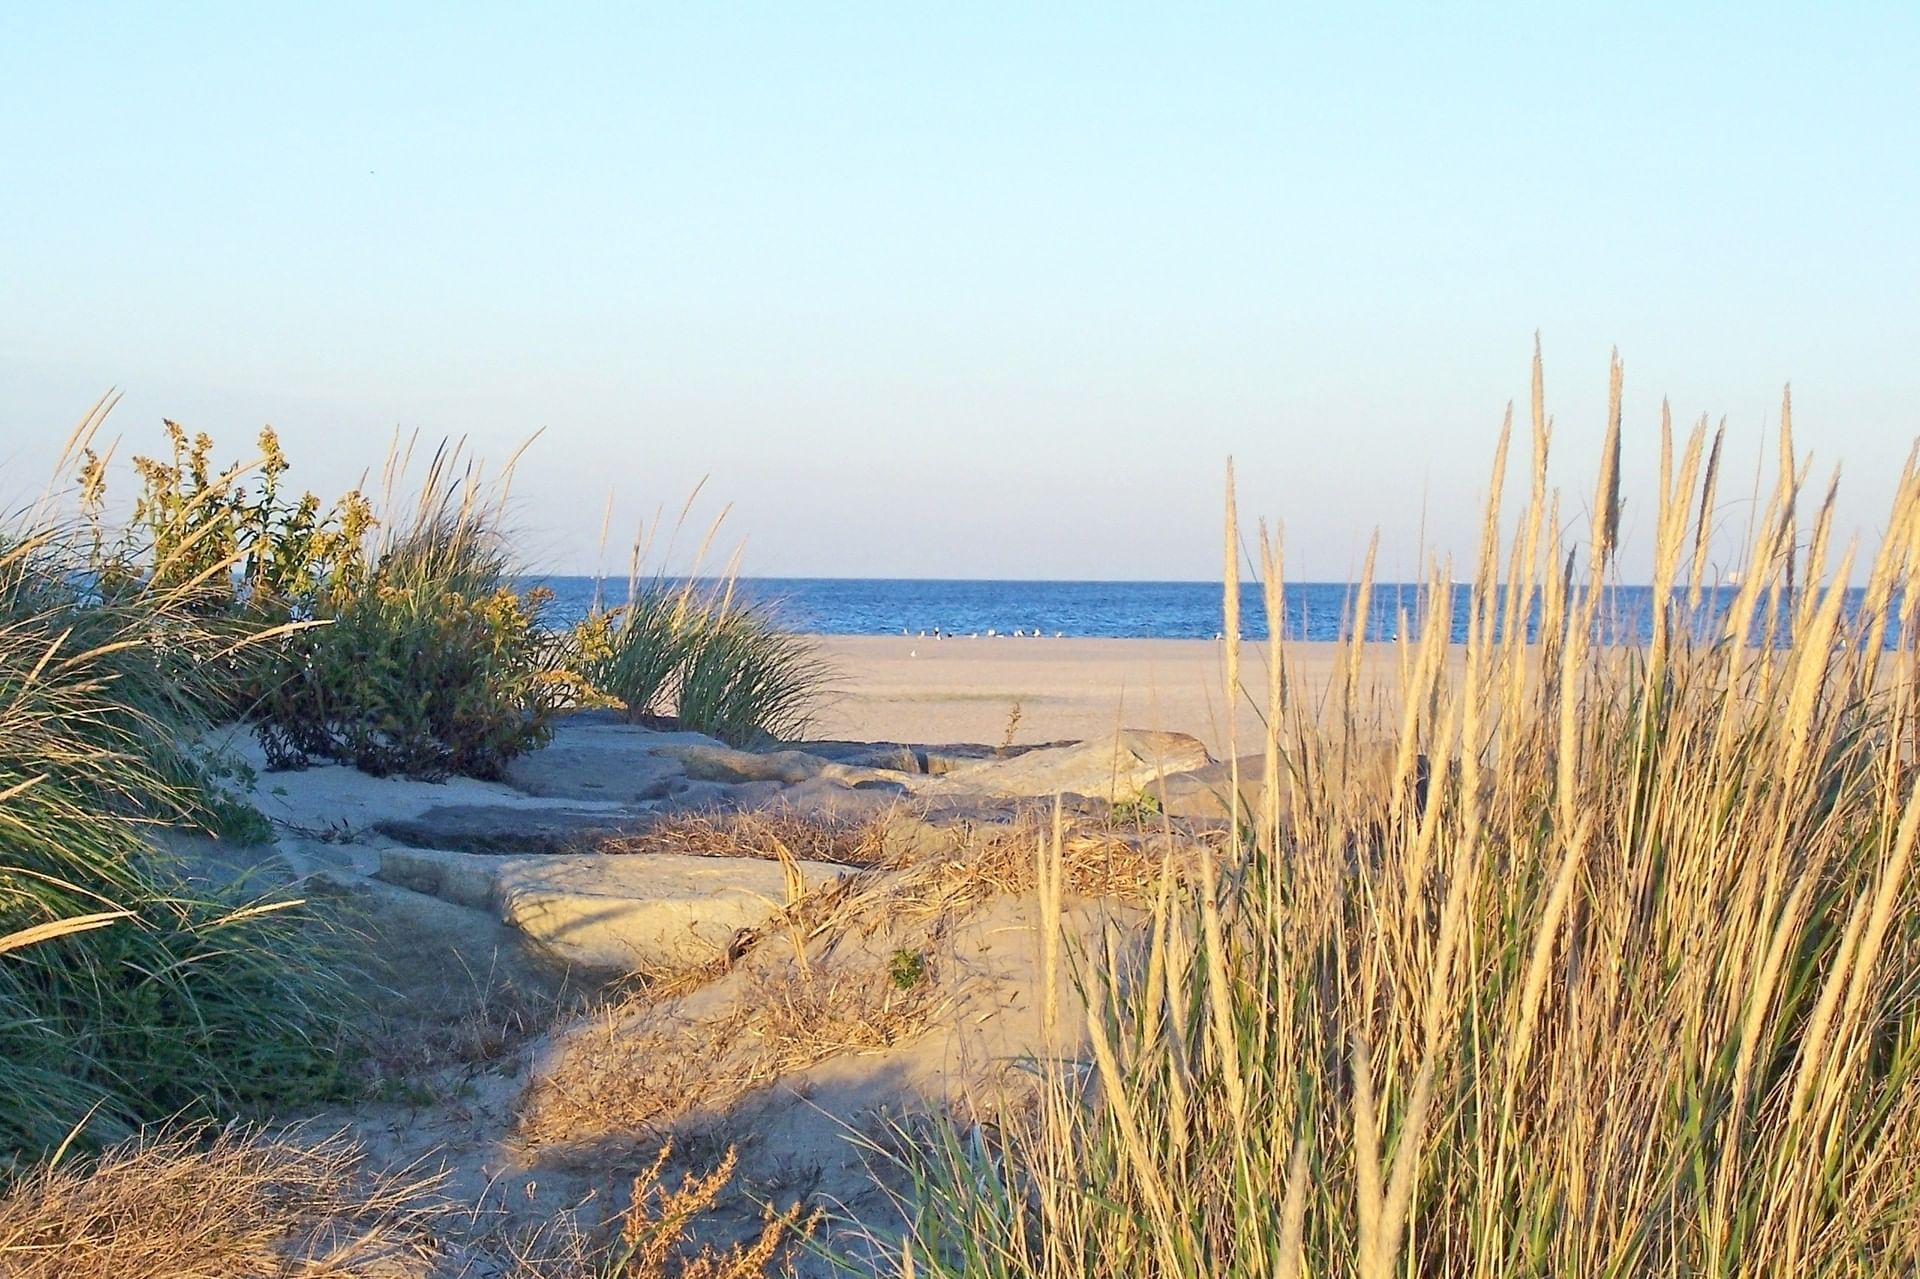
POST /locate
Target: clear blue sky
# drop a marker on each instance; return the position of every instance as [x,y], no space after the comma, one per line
[968,291]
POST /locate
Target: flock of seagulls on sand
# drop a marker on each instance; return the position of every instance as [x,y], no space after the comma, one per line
[990,633]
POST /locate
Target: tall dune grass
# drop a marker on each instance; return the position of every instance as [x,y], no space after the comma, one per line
[126,993]
[176,1000]
[1632,988]
[719,664]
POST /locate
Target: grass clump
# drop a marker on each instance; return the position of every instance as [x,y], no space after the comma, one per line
[719,665]
[1636,990]
[178,1000]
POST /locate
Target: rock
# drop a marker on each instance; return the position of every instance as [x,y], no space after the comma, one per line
[601,761]
[887,756]
[644,912]
[465,879]
[1202,793]
[1110,768]
[498,829]
[940,760]
[790,767]
[836,801]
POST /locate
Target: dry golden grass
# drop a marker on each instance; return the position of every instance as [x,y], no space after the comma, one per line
[764,834]
[821,982]
[237,1207]
[657,1235]
[1636,991]
[642,1065]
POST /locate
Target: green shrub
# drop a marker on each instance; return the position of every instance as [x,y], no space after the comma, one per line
[411,677]
[406,655]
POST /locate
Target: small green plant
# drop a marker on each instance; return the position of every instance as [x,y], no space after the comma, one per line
[412,678]
[907,969]
[1137,809]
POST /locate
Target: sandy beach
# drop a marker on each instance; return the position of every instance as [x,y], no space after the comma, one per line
[965,689]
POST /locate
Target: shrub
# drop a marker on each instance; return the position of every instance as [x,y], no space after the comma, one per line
[414,677]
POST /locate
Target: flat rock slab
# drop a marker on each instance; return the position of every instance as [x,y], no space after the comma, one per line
[788,767]
[1113,768]
[498,829]
[622,763]
[645,912]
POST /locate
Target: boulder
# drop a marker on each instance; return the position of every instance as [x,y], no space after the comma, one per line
[503,829]
[824,797]
[1203,793]
[788,767]
[644,912]
[1371,765]
[1111,768]
[608,762]
[888,756]
[465,879]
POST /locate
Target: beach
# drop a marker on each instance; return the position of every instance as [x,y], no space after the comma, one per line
[965,689]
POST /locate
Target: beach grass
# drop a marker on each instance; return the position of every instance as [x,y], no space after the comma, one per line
[127,993]
[1629,986]
[717,663]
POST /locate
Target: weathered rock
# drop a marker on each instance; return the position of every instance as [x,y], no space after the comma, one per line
[939,760]
[789,767]
[1110,768]
[499,829]
[887,756]
[629,913]
[465,879]
[835,800]
[602,761]
[1203,793]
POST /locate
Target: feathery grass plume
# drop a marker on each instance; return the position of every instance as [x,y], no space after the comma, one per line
[1634,988]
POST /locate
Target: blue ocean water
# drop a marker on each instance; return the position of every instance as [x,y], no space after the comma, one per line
[1146,610]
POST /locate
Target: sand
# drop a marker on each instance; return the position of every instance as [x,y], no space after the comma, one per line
[908,689]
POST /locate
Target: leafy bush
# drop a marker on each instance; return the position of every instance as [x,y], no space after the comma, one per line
[412,677]
[403,655]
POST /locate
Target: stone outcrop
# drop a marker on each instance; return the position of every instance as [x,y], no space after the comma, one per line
[642,913]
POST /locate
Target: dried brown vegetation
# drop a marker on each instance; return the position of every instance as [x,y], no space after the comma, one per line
[238,1207]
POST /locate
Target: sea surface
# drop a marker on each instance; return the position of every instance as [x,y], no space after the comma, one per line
[1130,610]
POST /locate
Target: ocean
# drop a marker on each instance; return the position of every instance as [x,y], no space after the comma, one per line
[1121,610]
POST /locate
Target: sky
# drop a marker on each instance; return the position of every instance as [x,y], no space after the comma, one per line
[968,290]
